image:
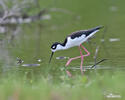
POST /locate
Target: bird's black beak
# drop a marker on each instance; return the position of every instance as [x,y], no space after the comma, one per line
[51,57]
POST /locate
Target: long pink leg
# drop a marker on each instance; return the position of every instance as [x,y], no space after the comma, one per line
[82,58]
[68,62]
[88,53]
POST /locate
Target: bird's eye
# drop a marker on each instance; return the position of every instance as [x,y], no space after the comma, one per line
[54,47]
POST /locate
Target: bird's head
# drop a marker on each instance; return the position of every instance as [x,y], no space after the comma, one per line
[55,47]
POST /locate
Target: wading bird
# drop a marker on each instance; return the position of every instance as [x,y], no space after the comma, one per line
[75,39]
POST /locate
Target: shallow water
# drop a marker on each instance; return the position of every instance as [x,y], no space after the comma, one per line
[33,41]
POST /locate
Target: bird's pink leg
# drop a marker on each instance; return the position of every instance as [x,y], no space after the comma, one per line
[69,61]
[82,58]
[88,53]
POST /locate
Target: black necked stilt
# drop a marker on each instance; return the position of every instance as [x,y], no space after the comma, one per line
[75,39]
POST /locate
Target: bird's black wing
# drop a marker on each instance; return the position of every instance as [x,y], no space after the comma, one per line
[85,32]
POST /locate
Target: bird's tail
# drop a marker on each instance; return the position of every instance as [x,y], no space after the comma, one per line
[92,31]
[98,27]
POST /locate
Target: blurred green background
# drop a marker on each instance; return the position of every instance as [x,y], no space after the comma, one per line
[33,41]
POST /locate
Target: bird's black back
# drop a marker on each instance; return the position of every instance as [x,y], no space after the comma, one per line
[85,32]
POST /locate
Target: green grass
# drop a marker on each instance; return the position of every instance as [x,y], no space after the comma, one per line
[96,86]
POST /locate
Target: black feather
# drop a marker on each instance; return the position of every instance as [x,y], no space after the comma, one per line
[64,43]
[85,32]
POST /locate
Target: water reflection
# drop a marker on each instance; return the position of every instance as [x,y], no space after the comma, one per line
[62,57]
[30,65]
[98,67]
